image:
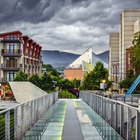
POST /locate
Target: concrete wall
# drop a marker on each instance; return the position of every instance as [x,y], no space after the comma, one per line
[25,91]
[113,52]
[137,26]
[126,33]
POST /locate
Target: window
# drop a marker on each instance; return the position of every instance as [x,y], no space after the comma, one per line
[9,75]
[11,47]
[10,62]
[12,37]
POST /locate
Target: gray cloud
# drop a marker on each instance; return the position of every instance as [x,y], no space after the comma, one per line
[66,25]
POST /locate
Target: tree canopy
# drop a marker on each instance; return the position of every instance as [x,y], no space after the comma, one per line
[135,53]
[93,79]
[20,76]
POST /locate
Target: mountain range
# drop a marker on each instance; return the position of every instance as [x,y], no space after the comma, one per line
[62,59]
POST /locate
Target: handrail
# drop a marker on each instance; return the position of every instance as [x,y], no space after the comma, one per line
[10,108]
[24,116]
[119,102]
[125,119]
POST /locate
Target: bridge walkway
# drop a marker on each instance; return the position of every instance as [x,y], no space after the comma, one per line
[71,119]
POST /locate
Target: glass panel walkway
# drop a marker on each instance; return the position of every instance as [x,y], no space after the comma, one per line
[71,119]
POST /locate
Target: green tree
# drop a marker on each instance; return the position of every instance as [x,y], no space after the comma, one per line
[46,82]
[135,53]
[20,76]
[126,83]
[35,79]
[65,84]
[76,83]
[48,67]
[93,79]
[130,74]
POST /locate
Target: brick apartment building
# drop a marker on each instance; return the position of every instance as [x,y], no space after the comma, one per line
[18,52]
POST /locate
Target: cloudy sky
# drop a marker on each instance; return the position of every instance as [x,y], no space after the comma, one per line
[65,25]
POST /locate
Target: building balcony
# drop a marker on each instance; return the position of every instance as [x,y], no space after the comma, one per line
[3,80]
[15,52]
[16,40]
[15,67]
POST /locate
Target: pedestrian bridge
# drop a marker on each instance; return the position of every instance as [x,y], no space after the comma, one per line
[92,117]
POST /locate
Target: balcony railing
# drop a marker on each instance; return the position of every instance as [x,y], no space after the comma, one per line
[3,80]
[15,52]
[16,40]
[5,66]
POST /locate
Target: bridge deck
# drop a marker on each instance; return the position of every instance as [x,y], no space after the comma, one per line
[71,120]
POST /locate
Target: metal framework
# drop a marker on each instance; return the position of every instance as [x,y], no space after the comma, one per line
[16,121]
[123,118]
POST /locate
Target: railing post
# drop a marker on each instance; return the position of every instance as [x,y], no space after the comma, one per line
[105,109]
[138,125]
[7,125]
[129,129]
[112,115]
[116,117]
[102,107]
[15,123]
[121,120]
[32,114]
[22,120]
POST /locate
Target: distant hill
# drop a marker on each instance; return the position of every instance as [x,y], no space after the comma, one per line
[62,59]
[104,56]
[57,58]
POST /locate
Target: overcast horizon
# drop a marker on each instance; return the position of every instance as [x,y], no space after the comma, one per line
[65,25]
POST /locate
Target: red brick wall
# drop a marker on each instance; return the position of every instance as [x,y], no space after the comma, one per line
[73,73]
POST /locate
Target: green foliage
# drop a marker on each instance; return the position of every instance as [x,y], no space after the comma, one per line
[46,82]
[66,94]
[93,79]
[135,53]
[130,74]
[20,76]
[76,83]
[126,83]
[36,80]
[65,84]
[48,67]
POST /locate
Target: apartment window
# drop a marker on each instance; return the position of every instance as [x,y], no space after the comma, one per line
[9,75]
[11,47]
[12,37]
[11,62]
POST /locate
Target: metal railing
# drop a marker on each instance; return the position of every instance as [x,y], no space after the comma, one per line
[16,121]
[123,118]
[8,66]
[14,52]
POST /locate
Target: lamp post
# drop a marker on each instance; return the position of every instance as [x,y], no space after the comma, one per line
[103,85]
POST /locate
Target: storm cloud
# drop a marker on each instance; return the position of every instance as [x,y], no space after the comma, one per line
[65,25]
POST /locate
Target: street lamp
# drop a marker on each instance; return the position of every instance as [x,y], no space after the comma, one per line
[103,85]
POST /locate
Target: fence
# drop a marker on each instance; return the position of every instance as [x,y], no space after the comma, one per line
[123,118]
[16,121]
[133,99]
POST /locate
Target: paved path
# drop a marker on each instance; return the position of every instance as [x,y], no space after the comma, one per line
[71,129]
[71,119]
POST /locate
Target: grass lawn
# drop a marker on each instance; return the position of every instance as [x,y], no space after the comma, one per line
[66,94]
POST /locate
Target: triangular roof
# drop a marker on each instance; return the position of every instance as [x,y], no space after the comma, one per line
[86,56]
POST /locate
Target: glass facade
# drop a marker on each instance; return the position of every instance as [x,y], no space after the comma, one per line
[10,62]
[11,47]
[9,75]
[12,37]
